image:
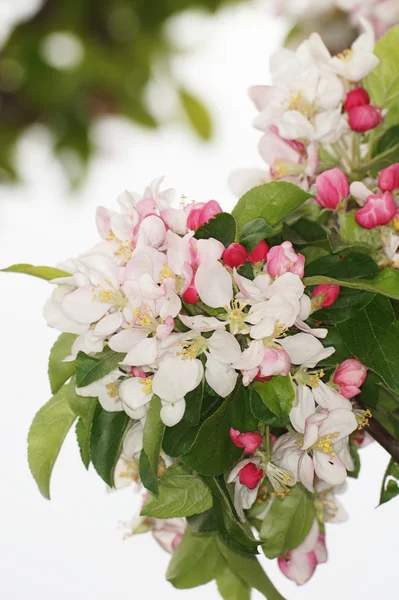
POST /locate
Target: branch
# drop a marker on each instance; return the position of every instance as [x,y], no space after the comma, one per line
[384,439]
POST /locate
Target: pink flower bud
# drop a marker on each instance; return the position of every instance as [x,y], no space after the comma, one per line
[325,295]
[235,255]
[136,372]
[251,476]
[283,259]
[201,213]
[258,253]
[275,362]
[363,118]
[389,178]
[357,97]
[249,441]
[258,377]
[349,377]
[332,187]
[378,210]
[191,295]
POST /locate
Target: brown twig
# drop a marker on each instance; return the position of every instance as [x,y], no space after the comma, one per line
[384,439]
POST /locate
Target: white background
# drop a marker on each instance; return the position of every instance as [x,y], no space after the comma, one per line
[72,547]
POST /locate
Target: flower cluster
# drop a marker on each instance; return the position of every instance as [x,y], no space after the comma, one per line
[313,112]
[381,13]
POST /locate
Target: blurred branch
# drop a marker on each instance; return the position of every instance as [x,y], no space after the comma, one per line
[75,61]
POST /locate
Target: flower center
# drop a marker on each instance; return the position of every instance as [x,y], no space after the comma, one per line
[279,478]
[325,444]
[146,383]
[362,417]
[345,55]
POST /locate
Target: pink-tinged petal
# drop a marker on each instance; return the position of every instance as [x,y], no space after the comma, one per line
[261,95]
[103,221]
[320,549]
[365,117]
[249,441]
[378,210]
[329,398]
[283,258]
[350,376]
[344,454]
[247,287]
[171,305]
[272,147]
[82,307]
[251,475]
[297,566]
[214,285]
[356,97]
[311,434]
[165,329]
[251,356]
[175,219]
[152,232]
[275,362]
[330,470]
[389,178]
[143,353]
[301,347]
[306,471]
[310,542]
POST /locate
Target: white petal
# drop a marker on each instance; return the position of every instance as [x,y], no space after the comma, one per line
[80,306]
[222,378]
[251,357]
[133,441]
[329,469]
[171,414]
[213,284]
[132,394]
[340,421]
[176,377]
[143,353]
[109,324]
[288,283]
[56,318]
[224,347]
[329,398]
[320,333]
[202,324]
[306,471]
[303,407]
[208,250]
[126,339]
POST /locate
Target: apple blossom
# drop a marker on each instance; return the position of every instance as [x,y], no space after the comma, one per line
[300,564]
[249,441]
[388,180]
[258,253]
[332,188]
[378,210]
[365,117]
[349,377]
[234,255]
[200,213]
[324,295]
[356,97]
[283,259]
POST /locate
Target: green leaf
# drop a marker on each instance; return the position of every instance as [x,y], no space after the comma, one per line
[232,587]
[277,394]
[383,82]
[92,368]
[352,266]
[59,372]
[152,441]
[221,227]
[372,337]
[261,412]
[46,436]
[196,561]
[351,234]
[287,522]
[213,451]
[271,202]
[107,433]
[383,403]
[348,303]
[354,452]
[341,353]
[197,114]
[180,494]
[83,439]
[379,162]
[388,140]
[233,530]
[47,273]
[203,523]
[386,282]
[304,232]
[81,406]
[390,487]
[253,232]
[247,567]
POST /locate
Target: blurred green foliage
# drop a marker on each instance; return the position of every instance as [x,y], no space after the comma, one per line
[78,60]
